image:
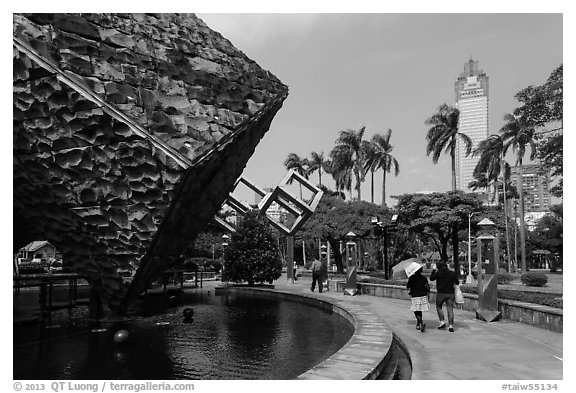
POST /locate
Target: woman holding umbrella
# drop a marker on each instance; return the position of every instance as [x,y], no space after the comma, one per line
[418,288]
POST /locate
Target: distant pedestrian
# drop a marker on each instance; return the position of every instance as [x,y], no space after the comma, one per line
[418,288]
[295,271]
[317,275]
[445,281]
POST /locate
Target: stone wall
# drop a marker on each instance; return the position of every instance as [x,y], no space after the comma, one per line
[129,132]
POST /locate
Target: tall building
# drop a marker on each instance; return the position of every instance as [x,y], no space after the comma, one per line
[472,102]
[536,187]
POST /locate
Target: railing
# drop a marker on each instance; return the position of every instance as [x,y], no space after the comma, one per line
[46,284]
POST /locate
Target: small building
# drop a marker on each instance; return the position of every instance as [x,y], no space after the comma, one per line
[39,251]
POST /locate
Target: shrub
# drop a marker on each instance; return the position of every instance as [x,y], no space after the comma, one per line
[504,278]
[253,255]
[533,279]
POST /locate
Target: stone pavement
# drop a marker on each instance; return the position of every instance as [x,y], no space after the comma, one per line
[503,350]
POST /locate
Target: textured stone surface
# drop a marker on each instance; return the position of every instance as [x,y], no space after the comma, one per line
[129,132]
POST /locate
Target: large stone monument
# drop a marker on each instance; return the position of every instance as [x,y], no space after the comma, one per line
[129,132]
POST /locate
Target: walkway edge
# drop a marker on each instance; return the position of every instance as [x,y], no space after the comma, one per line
[364,356]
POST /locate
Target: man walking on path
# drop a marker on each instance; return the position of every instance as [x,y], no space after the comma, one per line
[445,281]
[316,275]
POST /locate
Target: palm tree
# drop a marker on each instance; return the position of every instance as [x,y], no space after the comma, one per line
[519,134]
[341,173]
[378,156]
[348,155]
[317,163]
[300,165]
[444,135]
[492,163]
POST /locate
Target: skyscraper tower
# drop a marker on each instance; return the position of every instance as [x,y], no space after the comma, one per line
[472,102]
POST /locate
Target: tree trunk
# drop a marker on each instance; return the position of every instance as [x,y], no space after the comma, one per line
[372,185]
[358,183]
[524,267]
[453,170]
[506,217]
[384,189]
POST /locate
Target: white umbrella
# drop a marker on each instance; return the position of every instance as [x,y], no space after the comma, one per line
[398,270]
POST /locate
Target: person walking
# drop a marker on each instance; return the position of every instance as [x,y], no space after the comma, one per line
[317,275]
[418,289]
[445,281]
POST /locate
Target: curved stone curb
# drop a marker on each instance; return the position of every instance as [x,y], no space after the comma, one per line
[362,357]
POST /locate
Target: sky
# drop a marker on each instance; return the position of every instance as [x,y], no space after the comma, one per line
[385,71]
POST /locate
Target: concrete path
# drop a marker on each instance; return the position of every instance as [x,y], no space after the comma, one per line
[503,350]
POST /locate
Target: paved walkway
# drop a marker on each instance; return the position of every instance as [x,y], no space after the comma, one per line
[503,350]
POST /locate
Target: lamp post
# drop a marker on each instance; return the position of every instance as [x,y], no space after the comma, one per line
[469,276]
[351,287]
[225,239]
[381,230]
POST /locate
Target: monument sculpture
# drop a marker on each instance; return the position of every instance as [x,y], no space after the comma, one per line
[129,132]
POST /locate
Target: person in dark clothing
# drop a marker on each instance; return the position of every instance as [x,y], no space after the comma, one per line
[445,281]
[317,275]
[418,288]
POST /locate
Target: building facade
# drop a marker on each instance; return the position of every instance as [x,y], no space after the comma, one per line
[536,187]
[472,101]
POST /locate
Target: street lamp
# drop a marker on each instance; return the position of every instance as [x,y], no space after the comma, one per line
[225,239]
[469,276]
[381,230]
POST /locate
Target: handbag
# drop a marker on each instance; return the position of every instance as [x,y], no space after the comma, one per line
[458,297]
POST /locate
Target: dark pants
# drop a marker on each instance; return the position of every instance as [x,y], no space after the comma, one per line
[447,298]
[317,277]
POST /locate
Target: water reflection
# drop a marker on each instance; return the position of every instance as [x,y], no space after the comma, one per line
[230,337]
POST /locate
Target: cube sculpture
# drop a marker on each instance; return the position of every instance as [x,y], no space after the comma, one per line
[301,210]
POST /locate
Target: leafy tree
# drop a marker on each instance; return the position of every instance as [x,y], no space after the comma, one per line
[444,135]
[437,216]
[334,218]
[548,234]
[542,107]
[378,153]
[347,155]
[253,255]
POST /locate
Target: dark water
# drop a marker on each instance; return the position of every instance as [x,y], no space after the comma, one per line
[230,337]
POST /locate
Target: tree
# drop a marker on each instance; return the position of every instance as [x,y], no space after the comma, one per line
[548,234]
[317,163]
[300,165]
[253,255]
[348,155]
[341,173]
[492,163]
[334,218]
[542,106]
[519,134]
[437,216]
[444,135]
[378,153]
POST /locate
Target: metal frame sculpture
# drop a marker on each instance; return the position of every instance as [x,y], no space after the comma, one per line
[301,210]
